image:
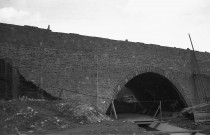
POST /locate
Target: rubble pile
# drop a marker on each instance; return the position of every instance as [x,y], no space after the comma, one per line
[91,114]
[32,116]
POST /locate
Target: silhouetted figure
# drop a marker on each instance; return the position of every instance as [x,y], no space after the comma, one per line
[48,28]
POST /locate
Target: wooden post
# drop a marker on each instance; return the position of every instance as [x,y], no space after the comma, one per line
[160,111]
[156,112]
[113,107]
[97,76]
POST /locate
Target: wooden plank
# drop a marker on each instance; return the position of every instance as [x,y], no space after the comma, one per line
[170,132]
[143,122]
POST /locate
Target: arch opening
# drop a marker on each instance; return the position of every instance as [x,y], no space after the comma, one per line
[143,93]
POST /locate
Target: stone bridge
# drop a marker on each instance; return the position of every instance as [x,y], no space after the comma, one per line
[95,70]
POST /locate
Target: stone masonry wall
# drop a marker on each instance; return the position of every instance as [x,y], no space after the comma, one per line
[86,67]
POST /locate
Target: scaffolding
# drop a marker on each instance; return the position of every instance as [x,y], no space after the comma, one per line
[200,111]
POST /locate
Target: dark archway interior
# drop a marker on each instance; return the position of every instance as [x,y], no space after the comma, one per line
[143,94]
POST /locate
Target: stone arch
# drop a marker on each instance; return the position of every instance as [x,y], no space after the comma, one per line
[168,74]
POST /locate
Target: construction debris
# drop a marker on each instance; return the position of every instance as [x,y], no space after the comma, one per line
[196,108]
[201,112]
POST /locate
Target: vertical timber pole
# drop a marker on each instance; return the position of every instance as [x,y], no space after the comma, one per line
[199,86]
[97,76]
[156,112]
[194,72]
[113,107]
[161,111]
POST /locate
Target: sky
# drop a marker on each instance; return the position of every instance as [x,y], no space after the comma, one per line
[161,22]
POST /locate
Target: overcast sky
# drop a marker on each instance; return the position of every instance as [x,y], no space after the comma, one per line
[162,22]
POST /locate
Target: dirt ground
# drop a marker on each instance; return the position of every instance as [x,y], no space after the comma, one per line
[116,127]
[32,117]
